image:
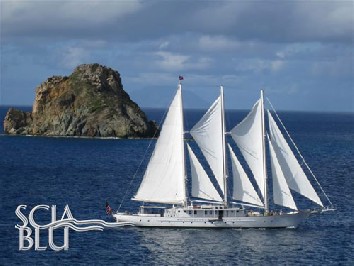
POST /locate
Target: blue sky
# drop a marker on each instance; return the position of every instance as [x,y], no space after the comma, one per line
[299,52]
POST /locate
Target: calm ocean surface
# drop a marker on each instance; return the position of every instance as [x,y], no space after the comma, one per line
[84,173]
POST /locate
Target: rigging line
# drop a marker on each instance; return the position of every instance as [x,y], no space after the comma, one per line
[142,160]
[298,151]
[210,197]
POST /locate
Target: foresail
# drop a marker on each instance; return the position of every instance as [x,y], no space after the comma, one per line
[243,189]
[164,179]
[208,133]
[294,174]
[248,136]
[281,193]
[201,184]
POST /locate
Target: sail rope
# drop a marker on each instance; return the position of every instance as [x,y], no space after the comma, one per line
[142,160]
[298,151]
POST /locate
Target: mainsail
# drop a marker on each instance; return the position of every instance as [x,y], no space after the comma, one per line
[209,135]
[248,135]
[243,189]
[281,193]
[201,184]
[164,179]
[294,174]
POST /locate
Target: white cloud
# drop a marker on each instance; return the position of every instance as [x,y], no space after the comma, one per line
[164,45]
[168,61]
[277,65]
[280,54]
[152,79]
[217,43]
[258,65]
[74,56]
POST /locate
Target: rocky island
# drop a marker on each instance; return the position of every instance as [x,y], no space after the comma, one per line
[90,102]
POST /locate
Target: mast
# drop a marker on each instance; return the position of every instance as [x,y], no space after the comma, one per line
[183,153]
[266,201]
[223,143]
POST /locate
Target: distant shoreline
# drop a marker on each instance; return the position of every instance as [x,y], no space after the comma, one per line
[202,109]
[74,137]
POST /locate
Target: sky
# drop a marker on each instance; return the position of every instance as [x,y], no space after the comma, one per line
[299,52]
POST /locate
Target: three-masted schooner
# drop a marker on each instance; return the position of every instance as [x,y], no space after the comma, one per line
[166,174]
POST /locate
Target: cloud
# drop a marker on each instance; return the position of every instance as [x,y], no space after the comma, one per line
[292,47]
[62,18]
[269,21]
[341,67]
[277,65]
[217,43]
[257,66]
[74,56]
[168,61]
[273,21]
[332,21]
[164,45]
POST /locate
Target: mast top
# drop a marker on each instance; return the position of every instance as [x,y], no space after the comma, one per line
[180,78]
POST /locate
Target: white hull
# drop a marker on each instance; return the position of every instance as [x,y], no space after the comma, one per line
[181,219]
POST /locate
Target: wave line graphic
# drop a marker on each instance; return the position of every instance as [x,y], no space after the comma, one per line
[91,225]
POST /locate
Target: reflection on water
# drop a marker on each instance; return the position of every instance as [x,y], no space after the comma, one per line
[236,246]
[213,245]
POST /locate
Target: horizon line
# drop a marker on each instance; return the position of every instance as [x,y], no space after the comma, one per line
[205,108]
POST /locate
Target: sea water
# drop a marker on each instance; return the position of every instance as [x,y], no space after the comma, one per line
[84,173]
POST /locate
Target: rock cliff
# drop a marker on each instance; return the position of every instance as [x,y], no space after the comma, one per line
[90,102]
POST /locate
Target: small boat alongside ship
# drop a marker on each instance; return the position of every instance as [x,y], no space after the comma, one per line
[204,199]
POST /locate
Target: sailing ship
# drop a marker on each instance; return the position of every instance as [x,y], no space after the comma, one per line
[247,206]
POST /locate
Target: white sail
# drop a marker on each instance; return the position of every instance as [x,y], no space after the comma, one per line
[294,174]
[208,133]
[201,184]
[164,179]
[248,135]
[243,189]
[281,192]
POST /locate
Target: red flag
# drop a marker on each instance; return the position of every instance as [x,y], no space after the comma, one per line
[108,208]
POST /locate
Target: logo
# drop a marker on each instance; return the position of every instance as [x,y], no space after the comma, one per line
[67,221]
